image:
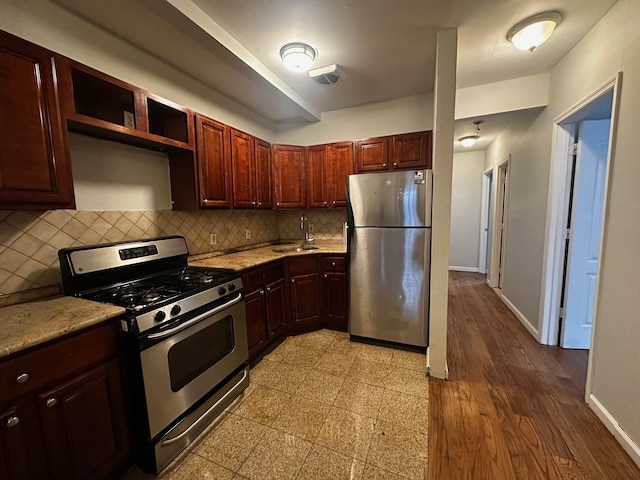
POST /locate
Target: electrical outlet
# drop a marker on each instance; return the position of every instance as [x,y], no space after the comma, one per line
[247,234]
[213,239]
[311,228]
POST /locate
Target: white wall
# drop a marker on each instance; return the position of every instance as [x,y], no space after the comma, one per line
[528,142]
[466,191]
[612,46]
[113,176]
[401,115]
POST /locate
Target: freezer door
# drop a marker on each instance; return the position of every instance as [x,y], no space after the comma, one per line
[389,289]
[395,199]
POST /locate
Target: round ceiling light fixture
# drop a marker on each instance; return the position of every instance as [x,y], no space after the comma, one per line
[533,31]
[469,141]
[298,56]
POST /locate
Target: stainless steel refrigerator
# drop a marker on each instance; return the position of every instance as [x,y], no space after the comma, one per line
[388,247]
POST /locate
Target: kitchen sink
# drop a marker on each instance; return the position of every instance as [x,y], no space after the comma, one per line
[290,249]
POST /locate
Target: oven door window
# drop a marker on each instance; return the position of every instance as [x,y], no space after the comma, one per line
[197,353]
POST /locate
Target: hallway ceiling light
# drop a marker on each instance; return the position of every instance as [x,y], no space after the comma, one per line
[533,31]
[469,141]
[298,56]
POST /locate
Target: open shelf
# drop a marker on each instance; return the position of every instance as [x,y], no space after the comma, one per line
[168,122]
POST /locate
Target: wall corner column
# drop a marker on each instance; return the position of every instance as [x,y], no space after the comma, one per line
[443,121]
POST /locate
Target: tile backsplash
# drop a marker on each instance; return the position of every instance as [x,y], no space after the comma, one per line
[29,240]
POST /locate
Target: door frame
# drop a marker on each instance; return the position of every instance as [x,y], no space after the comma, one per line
[485,218]
[498,242]
[556,216]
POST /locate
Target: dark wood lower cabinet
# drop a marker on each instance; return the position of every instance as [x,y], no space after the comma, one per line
[275,307]
[335,300]
[83,424]
[62,411]
[254,304]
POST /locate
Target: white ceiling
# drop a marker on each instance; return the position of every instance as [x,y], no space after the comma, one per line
[386,48]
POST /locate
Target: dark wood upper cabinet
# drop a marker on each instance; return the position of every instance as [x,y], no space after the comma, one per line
[264,192]
[372,154]
[318,176]
[251,164]
[214,163]
[289,177]
[341,155]
[35,168]
[244,176]
[411,150]
[99,105]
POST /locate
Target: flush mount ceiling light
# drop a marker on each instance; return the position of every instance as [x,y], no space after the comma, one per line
[298,56]
[470,140]
[533,31]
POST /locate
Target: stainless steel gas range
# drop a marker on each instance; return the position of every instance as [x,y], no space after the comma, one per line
[185,335]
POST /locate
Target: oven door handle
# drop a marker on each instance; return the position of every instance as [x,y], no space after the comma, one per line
[205,416]
[194,320]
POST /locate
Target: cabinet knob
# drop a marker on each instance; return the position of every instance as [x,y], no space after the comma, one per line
[277,204]
[262,291]
[259,204]
[326,276]
[268,289]
[326,205]
[293,280]
[253,204]
[384,165]
[22,378]
[334,203]
[333,264]
[12,421]
[395,164]
[51,402]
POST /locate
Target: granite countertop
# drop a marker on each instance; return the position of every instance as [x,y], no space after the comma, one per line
[258,256]
[28,324]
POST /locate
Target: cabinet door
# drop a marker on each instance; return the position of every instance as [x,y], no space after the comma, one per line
[21,450]
[276,313]
[84,424]
[341,168]
[305,293]
[371,154]
[213,163]
[335,300]
[256,321]
[411,150]
[318,184]
[243,164]
[35,170]
[263,174]
[289,176]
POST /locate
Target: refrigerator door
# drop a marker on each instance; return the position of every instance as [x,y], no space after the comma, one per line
[388,287]
[395,199]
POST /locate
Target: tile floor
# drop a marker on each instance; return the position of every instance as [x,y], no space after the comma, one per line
[319,407]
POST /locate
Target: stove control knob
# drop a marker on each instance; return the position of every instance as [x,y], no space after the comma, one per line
[159,316]
[222,290]
[176,309]
[232,287]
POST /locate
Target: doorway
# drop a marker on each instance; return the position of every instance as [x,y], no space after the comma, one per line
[575,218]
[485,222]
[498,221]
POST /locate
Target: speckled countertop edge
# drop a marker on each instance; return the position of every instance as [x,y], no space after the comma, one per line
[29,324]
[259,256]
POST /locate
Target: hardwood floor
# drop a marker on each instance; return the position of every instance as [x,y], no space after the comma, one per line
[512,409]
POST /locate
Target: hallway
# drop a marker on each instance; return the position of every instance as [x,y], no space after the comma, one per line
[512,408]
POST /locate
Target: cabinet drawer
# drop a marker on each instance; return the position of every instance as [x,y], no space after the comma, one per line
[262,275]
[29,371]
[297,266]
[334,264]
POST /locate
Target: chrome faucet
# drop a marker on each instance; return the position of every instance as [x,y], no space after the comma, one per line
[304,225]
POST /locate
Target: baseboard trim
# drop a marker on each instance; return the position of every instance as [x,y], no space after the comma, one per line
[520,316]
[613,426]
[464,269]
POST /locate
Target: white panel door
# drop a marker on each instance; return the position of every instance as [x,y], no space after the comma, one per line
[586,232]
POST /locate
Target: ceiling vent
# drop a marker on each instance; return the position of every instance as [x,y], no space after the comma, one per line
[327,75]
